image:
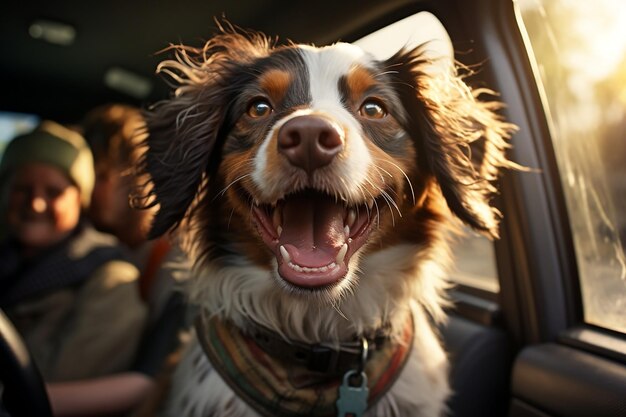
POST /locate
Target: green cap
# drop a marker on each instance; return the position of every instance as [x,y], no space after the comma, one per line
[55,145]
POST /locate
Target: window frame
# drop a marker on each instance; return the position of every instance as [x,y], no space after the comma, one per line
[574,253]
[539,293]
[555,272]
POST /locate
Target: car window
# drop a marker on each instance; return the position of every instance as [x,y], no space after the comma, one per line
[474,256]
[13,124]
[579,50]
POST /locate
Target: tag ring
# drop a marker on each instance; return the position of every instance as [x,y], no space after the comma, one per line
[364,354]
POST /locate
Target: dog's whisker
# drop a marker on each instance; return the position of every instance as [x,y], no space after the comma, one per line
[390,201]
[376,203]
[408,180]
[384,170]
[406,177]
[362,190]
[336,307]
[225,189]
[380,190]
[377,214]
[368,181]
[393,219]
[232,212]
[251,205]
[391,204]
[369,209]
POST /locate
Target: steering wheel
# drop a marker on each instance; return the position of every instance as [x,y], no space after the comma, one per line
[24,392]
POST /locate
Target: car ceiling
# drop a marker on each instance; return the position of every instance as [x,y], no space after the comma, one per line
[63,82]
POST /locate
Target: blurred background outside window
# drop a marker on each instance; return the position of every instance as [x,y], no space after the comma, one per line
[580,53]
[13,124]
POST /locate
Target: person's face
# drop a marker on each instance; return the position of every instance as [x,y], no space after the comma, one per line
[44,206]
[109,201]
[110,209]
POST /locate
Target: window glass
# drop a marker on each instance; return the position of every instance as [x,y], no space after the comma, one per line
[580,53]
[475,262]
[474,255]
[13,124]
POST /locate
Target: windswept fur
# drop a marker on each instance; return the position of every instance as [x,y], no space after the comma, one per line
[185,131]
[462,141]
[433,154]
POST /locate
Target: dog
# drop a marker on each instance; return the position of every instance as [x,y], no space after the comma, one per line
[317,190]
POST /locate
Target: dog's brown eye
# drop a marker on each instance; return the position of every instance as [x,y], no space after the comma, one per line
[372,109]
[259,108]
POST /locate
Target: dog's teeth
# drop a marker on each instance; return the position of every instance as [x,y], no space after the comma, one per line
[279,230]
[370,204]
[285,254]
[308,269]
[346,231]
[351,217]
[342,253]
[257,202]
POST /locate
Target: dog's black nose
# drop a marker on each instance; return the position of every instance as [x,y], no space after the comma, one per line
[309,142]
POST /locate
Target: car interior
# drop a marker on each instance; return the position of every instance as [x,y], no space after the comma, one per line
[528,336]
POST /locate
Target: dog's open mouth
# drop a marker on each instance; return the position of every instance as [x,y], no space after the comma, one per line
[313,236]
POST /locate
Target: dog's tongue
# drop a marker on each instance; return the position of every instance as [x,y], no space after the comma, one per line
[312,229]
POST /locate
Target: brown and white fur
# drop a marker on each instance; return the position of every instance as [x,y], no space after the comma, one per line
[375,157]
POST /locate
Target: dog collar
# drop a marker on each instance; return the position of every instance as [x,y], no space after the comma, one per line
[283,385]
[318,357]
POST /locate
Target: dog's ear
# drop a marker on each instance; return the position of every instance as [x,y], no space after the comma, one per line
[460,140]
[184,132]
